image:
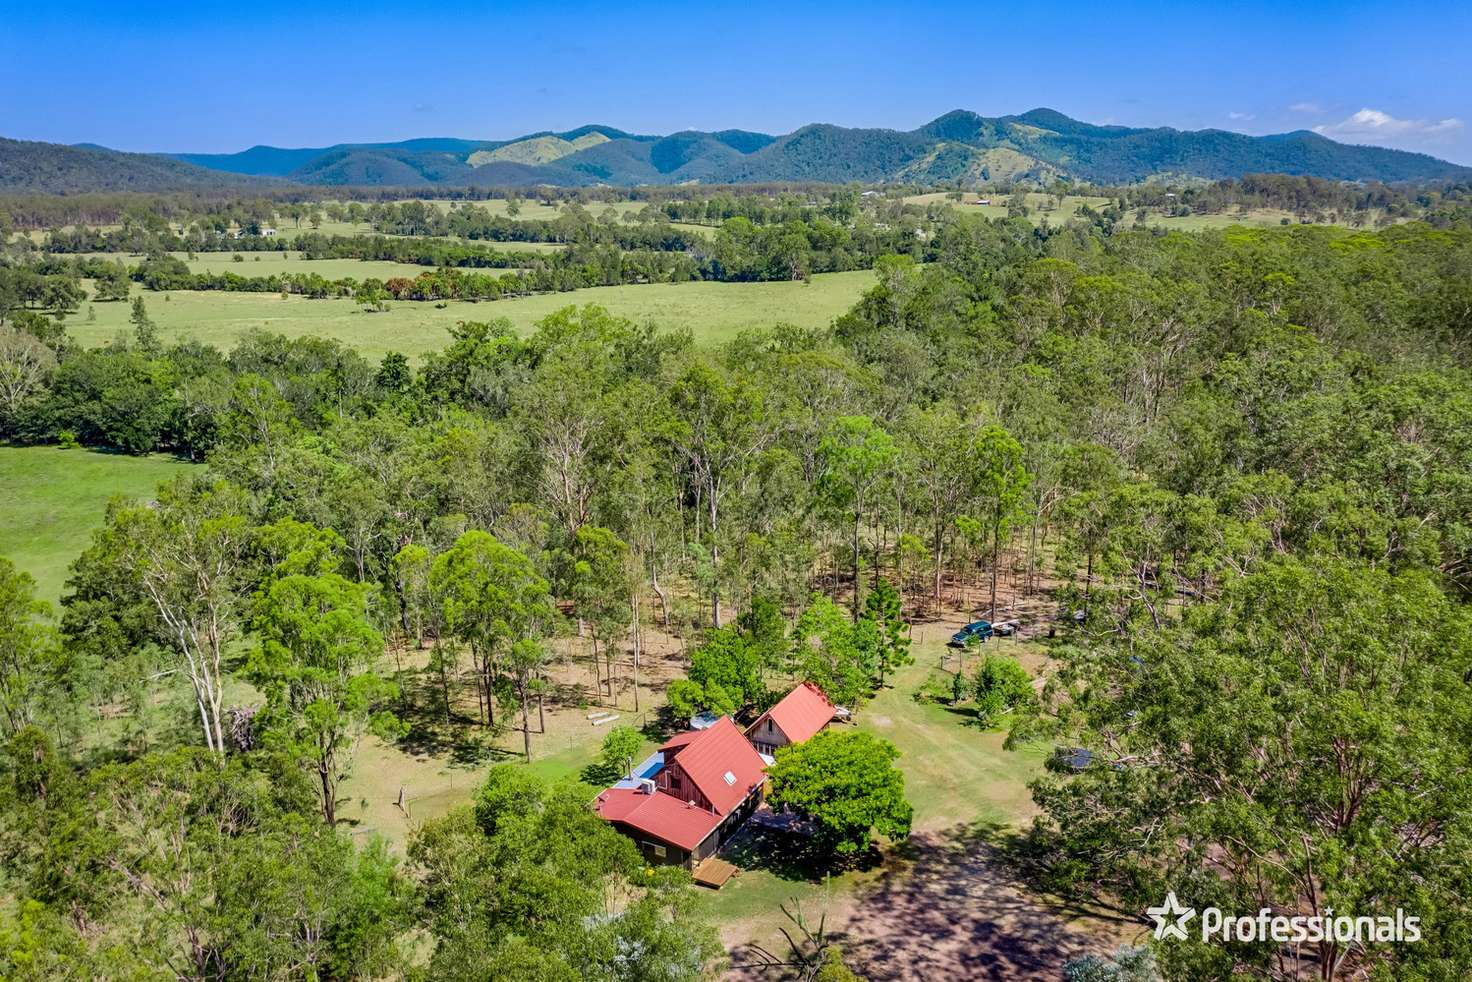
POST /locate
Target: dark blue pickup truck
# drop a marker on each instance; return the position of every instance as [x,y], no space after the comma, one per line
[974,633]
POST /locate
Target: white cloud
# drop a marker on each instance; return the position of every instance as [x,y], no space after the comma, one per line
[1375,126]
[1306,107]
[1241,117]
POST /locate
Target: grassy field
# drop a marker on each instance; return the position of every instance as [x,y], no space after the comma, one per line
[1042,206]
[271,263]
[52,499]
[715,312]
[1039,205]
[1255,218]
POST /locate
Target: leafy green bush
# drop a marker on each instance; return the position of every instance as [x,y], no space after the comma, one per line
[1001,685]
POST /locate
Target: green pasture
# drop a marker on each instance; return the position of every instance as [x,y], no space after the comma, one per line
[52,499]
[715,312]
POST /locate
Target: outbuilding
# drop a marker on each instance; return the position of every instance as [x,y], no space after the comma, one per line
[796,718]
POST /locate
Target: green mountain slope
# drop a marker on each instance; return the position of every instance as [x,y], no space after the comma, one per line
[27,166]
[1039,145]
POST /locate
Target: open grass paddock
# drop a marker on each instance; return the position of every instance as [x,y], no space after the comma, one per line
[715,312]
[274,263]
[52,499]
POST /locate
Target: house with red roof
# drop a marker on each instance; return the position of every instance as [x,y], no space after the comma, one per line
[796,718]
[687,799]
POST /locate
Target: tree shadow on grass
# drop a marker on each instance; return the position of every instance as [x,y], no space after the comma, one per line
[660,724]
[950,904]
[599,774]
[1033,857]
[789,854]
[465,742]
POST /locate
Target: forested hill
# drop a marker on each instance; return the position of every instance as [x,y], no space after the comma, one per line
[960,145]
[52,168]
[1039,145]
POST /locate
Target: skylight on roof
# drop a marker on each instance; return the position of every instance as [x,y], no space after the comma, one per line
[730,778]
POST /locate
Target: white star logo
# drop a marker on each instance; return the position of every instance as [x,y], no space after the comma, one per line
[1171,917]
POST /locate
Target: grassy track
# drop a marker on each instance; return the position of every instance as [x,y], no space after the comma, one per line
[715,312]
[51,500]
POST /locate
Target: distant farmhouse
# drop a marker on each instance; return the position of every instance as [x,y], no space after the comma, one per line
[696,790]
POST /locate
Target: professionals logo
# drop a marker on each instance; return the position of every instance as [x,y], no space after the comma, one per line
[1172,917]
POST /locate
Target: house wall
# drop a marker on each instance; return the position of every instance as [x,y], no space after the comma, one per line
[767,736]
[728,827]
[674,780]
[655,851]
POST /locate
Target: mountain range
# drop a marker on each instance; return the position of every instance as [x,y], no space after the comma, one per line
[1038,145]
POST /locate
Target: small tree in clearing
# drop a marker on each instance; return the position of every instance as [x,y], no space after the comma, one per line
[620,747]
[1001,686]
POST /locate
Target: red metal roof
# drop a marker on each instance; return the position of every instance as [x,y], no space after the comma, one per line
[708,756]
[680,739]
[801,713]
[660,815]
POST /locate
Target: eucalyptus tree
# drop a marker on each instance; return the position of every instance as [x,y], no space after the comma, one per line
[857,454]
[938,449]
[187,554]
[493,599]
[317,664]
[601,582]
[718,426]
[1001,481]
[1300,743]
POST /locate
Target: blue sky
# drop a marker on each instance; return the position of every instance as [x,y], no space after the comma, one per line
[210,76]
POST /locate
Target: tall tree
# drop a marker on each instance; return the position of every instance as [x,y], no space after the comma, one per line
[493,599]
[856,454]
[938,456]
[187,555]
[883,608]
[30,655]
[1001,481]
[717,428]
[836,653]
[316,663]
[601,584]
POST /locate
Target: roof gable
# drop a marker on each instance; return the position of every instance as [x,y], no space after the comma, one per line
[721,763]
[801,713]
